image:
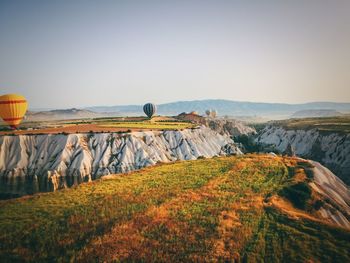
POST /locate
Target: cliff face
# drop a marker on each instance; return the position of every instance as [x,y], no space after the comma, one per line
[32,163]
[336,209]
[330,149]
[230,127]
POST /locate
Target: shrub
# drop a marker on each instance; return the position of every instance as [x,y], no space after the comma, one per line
[309,173]
[318,204]
[298,194]
[247,141]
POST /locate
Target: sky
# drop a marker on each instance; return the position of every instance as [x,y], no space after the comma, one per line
[62,54]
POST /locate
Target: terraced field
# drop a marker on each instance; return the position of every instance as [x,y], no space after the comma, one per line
[210,209]
[116,124]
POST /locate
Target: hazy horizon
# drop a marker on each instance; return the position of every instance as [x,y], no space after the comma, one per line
[90,107]
[64,54]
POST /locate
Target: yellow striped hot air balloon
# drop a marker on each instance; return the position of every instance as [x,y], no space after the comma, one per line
[13,107]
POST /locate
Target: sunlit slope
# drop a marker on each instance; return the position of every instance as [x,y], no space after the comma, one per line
[226,208]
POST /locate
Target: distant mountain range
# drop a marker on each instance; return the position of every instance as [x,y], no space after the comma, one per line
[237,109]
[227,107]
[65,114]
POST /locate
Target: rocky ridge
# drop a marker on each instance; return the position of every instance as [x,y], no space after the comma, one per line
[337,194]
[230,127]
[330,149]
[33,163]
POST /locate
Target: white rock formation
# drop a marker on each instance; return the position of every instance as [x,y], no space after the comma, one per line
[230,127]
[331,149]
[31,163]
[337,194]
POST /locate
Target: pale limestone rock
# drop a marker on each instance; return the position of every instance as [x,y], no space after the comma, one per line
[52,162]
[330,149]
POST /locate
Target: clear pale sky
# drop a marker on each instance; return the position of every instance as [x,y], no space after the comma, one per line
[83,53]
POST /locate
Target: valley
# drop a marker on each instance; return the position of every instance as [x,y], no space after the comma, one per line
[174,190]
[174,131]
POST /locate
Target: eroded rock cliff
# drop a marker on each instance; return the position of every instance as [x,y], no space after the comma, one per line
[32,163]
[230,127]
[330,149]
[336,194]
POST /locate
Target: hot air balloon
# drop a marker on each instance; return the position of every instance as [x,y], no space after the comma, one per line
[13,107]
[149,109]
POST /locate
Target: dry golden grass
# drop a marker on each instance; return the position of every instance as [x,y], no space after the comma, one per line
[220,209]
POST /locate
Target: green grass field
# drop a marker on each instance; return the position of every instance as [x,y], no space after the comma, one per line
[110,123]
[203,210]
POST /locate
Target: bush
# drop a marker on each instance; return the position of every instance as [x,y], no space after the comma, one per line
[247,141]
[298,194]
[309,173]
[318,204]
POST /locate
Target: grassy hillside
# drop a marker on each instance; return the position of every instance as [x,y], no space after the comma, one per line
[326,124]
[220,208]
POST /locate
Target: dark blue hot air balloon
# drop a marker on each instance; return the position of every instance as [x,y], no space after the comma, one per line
[149,109]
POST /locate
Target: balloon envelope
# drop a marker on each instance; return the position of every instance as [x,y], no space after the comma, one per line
[149,109]
[13,107]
